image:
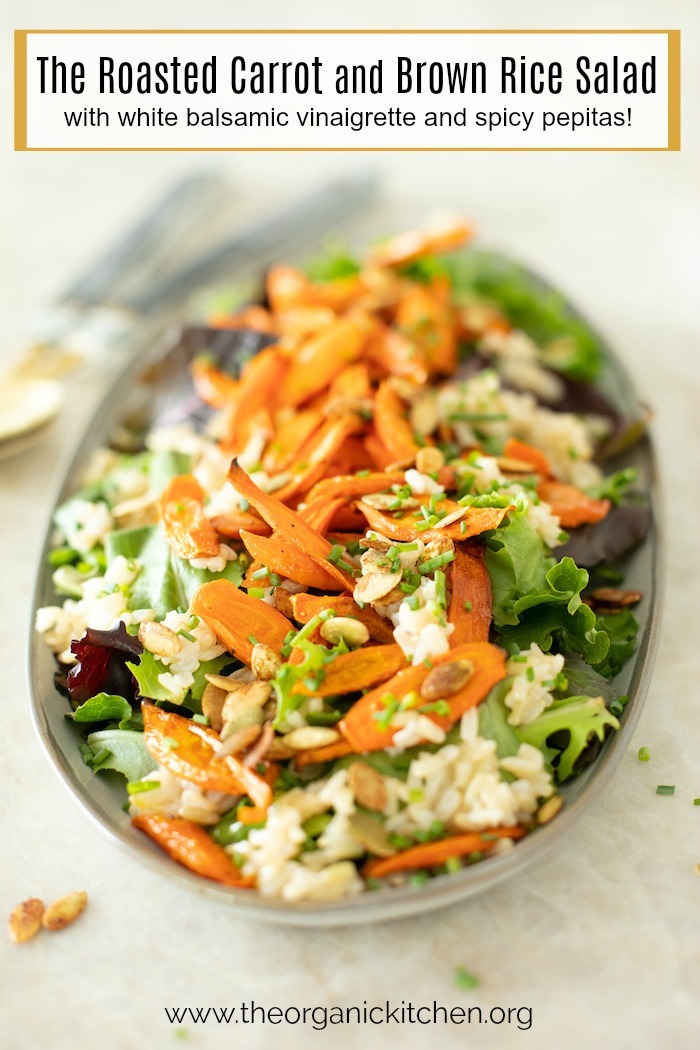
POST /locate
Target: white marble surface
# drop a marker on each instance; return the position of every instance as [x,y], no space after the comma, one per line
[602,937]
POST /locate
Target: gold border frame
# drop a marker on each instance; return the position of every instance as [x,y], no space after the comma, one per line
[673,88]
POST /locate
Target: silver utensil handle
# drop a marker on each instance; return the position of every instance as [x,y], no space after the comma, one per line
[148,243]
[262,244]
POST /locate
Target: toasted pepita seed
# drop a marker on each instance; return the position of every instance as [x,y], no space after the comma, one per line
[510,465]
[450,519]
[376,585]
[549,809]
[308,738]
[278,750]
[615,596]
[371,834]
[282,600]
[254,695]
[64,911]
[264,663]
[242,718]
[25,920]
[213,700]
[429,459]
[368,787]
[239,739]
[230,683]
[140,510]
[435,547]
[346,629]
[159,639]
[388,500]
[446,679]
[424,417]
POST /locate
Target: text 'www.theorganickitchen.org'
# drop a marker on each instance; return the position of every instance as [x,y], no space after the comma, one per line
[320,1018]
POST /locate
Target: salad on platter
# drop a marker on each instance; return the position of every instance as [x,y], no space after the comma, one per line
[358,623]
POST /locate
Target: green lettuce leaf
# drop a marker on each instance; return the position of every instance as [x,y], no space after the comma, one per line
[162,466]
[517,563]
[127,752]
[105,708]
[578,719]
[165,581]
[493,721]
[146,674]
[621,629]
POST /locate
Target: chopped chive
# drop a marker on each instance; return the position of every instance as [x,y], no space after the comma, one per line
[335,554]
[468,606]
[259,574]
[201,720]
[440,707]
[275,580]
[464,979]
[453,864]
[419,878]
[477,417]
[171,743]
[413,602]
[696,801]
[256,592]
[666,789]
[440,587]
[251,637]
[362,473]
[530,674]
[138,787]
[100,756]
[407,588]
[463,527]
[187,635]
[244,504]
[415,795]
[435,563]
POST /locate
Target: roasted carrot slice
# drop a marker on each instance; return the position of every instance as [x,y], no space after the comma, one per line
[253,316]
[286,288]
[214,386]
[470,604]
[230,525]
[572,507]
[317,755]
[380,455]
[189,844]
[306,606]
[391,353]
[429,322]
[352,382]
[235,618]
[289,438]
[320,358]
[416,243]
[315,455]
[187,529]
[320,513]
[258,389]
[195,758]
[434,854]
[282,519]
[476,520]
[362,726]
[357,670]
[297,322]
[350,486]
[391,424]
[280,556]
[515,449]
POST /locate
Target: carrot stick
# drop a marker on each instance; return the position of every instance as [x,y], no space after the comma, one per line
[470,604]
[230,525]
[189,844]
[416,243]
[515,449]
[280,556]
[476,520]
[306,606]
[315,454]
[258,389]
[187,529]
[195,758]
[320,359]
[253,316]
[434,854]
[393,429]
[392,353]
[350,486]
[357,670]
[572,507]
[352,382]
[282,519]
[320,513]
[380,455]
[213,386]
[234,618]
[429,322]
[362,726]
[289,438]
[318,755]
